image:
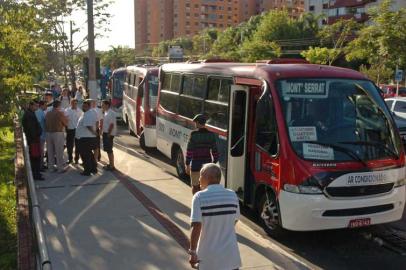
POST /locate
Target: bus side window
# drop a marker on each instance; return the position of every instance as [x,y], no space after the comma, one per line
[215,106]
[266,127]
[166,85]
[169,92]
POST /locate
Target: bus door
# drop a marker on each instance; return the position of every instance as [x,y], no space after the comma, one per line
[139,109]
[263,156]
[237,139]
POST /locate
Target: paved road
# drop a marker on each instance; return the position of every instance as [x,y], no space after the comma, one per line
[335,249]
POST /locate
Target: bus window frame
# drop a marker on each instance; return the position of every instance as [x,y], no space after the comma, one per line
[182,95]
[211,101]
[268,91]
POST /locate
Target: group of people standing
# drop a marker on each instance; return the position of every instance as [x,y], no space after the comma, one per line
[53,124]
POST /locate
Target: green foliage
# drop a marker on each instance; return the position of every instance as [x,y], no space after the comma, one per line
[381,43]
[320,55]
[377,73]
[117,57]
[259,49]
[162,49]
[8,215]
[21,51]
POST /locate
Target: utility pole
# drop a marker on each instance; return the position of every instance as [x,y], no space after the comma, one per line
[71,54]
[92,84]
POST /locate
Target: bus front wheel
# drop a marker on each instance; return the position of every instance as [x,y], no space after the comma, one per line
[269,214]
[142,142]
[180,163]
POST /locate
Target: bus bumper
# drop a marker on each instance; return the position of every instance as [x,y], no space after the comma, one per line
[150,136]
[304,212]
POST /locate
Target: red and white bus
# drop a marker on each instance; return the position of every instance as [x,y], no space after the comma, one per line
[139,103]
[116,89]
[310,147]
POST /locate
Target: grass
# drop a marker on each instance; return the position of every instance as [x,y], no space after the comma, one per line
[8,227]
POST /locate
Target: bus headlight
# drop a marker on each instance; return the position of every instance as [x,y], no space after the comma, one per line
[302,189]
[400,182]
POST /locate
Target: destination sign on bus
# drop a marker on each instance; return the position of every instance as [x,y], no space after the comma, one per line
[305,89]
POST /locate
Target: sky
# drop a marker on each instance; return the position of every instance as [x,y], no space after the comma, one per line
[121,26]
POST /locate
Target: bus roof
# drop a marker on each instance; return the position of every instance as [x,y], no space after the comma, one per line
[269,72]
[142,68]
[119,70]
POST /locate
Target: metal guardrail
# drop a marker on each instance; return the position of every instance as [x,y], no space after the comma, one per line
[45,262]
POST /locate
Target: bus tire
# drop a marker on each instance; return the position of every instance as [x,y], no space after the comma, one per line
[129,127]
[142,142]
[179,162]
[269,214]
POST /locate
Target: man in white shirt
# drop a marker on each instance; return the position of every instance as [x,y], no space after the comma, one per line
[99,118]
[49,101]
[86,136]
[109,127]
[215,210]
[73,113]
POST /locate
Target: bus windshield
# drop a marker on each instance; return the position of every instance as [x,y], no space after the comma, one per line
[337,120]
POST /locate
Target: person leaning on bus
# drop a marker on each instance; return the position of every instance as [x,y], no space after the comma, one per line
[201,149]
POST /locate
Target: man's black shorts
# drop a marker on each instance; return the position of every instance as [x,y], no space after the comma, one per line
[108,143]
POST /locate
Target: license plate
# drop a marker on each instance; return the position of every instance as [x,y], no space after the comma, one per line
[360,222]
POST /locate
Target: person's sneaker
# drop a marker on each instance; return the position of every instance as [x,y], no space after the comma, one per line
[94,172]
[85,173]
[108,168]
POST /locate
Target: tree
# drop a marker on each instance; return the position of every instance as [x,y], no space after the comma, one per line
[117,57]
[322,56]
[336,36]
[203,42]
[21,51]
[56,13]
[382,42]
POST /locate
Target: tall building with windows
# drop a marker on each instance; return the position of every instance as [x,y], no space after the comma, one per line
[333,10]
[153,21]
[294,7]
[157,20]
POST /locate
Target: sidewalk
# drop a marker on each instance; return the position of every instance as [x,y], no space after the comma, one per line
[135,218]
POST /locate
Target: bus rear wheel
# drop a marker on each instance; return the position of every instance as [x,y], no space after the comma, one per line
[180,163]
[142,142]
[269,214]
[129,127]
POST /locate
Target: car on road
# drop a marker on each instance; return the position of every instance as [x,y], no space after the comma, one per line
[398,108]
[389,91]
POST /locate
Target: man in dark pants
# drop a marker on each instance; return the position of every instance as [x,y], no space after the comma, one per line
[201,149]
[86,134]
[32,130]
[73,113]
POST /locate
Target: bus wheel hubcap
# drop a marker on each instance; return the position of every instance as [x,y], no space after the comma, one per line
[270,214]
[180,162]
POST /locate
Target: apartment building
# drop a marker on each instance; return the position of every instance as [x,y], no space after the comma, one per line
[294,7]
[157,20]
[153,22]
[333,10]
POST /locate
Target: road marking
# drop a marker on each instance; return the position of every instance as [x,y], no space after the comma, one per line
[160,216]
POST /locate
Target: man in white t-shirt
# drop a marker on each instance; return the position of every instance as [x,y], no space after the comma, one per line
[215,210]
[73,113]
[86,136]
[99,118]
[109,127]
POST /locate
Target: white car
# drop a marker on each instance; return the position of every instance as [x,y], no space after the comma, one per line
[397,106]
